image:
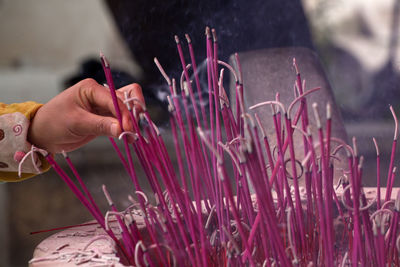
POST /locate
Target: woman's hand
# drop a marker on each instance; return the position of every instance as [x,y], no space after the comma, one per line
[78,115]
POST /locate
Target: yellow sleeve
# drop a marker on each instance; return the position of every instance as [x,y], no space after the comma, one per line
[14,124]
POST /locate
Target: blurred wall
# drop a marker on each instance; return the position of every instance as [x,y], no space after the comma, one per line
[358,42]
[44,40]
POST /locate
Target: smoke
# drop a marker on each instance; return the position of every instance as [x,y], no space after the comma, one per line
[162,91]
[149,27]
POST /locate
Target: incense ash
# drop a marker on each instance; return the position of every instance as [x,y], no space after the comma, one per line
[238,197]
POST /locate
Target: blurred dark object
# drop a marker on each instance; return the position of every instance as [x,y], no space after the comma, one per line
[148,26]
[91,68]
[364,91]
[386,91]
[386,82]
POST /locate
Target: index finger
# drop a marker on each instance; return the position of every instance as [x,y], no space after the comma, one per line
[99,98]
[134,94]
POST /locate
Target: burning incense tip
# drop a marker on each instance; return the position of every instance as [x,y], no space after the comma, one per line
[162,71]
[157,132]
[295,66]
[277,96]
[208,33]
[188,66]
[188,38]
[328,111]
[316,115]
[397,202]
[142,117]
[176,39]
[214,34]
[104,60]
[360,165]
[239,68]
[107,195]
[309,130]
[224,100]
[221,88]
[185,88]
[174,91]
[376,146]
[396,129]
[171,107]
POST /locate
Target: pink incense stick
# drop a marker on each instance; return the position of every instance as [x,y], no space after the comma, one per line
[378,175]
[196,76]
[83,186]
[392,156]
[110,82]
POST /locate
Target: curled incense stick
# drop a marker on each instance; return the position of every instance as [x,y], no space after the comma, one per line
[351,208]
[300,98]
[277,103]
[136,100]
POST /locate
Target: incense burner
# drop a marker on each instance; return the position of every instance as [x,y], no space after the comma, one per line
[258,181]
[89,245]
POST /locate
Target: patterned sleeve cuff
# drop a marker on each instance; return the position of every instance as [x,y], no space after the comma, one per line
[14,124]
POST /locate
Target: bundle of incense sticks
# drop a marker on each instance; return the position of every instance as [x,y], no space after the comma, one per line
[228,201]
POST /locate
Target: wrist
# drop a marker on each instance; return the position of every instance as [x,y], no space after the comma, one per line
[33,136]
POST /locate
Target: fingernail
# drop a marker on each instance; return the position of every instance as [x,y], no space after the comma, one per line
[114,129]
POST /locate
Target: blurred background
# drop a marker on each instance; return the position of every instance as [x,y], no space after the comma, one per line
[48,44]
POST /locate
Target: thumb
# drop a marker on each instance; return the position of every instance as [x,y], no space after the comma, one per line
[97,125]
